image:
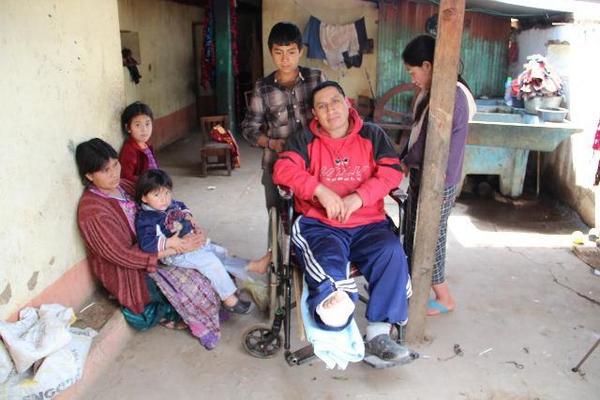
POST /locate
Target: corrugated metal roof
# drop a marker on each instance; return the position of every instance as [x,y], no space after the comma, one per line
[517,8]
[483,51]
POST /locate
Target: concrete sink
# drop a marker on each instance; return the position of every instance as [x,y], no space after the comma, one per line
[500,139]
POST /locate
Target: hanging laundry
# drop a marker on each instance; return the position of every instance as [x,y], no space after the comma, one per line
[311,38]
[361,34]
[208,75]
[337,39]
[209,60]
[131,64]
[342,45]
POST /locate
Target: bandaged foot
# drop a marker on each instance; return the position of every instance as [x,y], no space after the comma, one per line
[336,309]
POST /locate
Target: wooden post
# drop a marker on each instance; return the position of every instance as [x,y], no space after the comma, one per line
[441,109]
[224,69]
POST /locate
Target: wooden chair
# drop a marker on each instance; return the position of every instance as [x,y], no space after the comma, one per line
[211,149]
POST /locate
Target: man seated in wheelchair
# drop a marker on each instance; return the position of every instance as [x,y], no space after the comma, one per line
[340,169]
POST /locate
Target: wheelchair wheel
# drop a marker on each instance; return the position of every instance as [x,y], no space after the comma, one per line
[259,342]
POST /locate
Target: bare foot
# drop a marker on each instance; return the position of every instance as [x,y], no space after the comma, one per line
[260,266]
[231,301]
[178,326]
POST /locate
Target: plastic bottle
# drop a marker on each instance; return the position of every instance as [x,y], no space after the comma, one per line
[508,91]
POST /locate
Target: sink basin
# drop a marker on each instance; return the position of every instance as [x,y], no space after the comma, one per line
[493,116]
[517,130]
[500,139]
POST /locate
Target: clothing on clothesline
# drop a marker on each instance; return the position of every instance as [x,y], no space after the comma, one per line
[209,59]
[131,64]
[363,44]
[310,38]
[340,45]
[335,40]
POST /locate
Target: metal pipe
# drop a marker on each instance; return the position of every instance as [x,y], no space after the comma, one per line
[590,351]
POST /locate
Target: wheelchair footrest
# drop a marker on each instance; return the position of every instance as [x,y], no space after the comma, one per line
[378,363]
[300,356]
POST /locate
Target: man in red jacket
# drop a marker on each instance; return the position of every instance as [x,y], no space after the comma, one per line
[340,169]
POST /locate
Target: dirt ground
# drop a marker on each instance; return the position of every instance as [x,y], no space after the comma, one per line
[527,311]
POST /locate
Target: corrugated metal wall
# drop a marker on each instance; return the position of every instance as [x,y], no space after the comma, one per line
[484,48]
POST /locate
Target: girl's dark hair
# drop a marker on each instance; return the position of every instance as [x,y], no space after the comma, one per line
[131,111]
[285,34]
[92,156]
[416,52]
[150,180]
[322,86]
[419,50]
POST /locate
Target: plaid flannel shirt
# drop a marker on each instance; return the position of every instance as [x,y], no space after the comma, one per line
[278,111]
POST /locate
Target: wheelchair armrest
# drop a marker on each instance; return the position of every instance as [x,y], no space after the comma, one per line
[398,195]
[285,192]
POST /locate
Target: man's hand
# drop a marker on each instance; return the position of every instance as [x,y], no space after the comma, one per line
[273,144]
[404,168]
[276,144]
[352,202]
[330,200]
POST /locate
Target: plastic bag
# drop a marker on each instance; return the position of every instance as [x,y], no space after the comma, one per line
[55,373]
[6,365]
[36,334]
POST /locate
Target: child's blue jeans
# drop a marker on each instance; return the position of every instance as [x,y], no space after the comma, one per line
[213,262]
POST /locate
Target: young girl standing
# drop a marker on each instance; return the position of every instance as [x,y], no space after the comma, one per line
[418,60]
[136,154]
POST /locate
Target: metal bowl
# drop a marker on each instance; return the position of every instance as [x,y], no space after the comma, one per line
[552,114]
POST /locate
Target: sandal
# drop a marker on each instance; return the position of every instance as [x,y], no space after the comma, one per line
[241,307]
[178,326]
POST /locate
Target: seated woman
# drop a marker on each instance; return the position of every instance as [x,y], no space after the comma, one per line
[147,295]
[340,169]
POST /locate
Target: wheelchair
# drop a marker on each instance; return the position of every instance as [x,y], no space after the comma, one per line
[284,285]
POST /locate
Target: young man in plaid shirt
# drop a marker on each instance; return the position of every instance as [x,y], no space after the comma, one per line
[279,105]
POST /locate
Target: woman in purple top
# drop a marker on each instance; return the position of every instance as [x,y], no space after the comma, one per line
[418,59]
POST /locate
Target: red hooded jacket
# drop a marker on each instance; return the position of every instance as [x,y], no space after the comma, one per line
[362,162]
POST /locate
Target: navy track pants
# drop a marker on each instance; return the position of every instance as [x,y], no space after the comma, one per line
[325,254]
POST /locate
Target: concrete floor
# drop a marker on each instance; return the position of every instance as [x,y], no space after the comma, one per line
[519,319]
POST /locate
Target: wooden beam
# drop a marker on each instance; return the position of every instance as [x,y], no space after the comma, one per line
[441,109]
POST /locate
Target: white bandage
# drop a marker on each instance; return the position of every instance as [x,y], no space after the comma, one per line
[336,315]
